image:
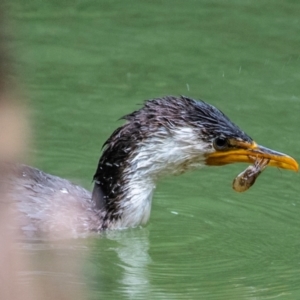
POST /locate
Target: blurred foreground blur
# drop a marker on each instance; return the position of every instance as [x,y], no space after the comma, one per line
[55,269]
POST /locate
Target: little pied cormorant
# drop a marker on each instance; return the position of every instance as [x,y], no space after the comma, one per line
[168,135]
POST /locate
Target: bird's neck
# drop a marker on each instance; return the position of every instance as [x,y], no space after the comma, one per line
[123,190]
[126,175]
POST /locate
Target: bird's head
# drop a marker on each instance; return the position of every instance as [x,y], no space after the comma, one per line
[168,135]
[180,129]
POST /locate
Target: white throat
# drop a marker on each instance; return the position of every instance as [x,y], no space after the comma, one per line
[166,153]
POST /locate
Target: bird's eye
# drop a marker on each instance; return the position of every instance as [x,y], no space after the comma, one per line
[220,143]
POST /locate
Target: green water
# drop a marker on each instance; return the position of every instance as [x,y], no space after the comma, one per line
[84,64]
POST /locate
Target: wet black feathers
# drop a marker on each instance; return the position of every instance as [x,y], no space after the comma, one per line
[183,111]
[168,112]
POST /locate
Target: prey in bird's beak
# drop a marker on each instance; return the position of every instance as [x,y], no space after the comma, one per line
[231,150]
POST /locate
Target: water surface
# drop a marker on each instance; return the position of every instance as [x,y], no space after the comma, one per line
[84,64]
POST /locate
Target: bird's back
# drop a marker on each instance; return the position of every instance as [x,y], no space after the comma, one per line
[47,203]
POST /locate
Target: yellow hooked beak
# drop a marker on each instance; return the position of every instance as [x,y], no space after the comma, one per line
[249,153]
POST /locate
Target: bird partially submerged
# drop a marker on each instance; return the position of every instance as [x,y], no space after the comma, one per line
[168,135]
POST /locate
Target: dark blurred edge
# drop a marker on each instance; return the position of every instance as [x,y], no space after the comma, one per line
[13,139]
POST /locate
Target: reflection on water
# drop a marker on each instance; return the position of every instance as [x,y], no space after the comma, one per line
[134,265]
[133,252]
